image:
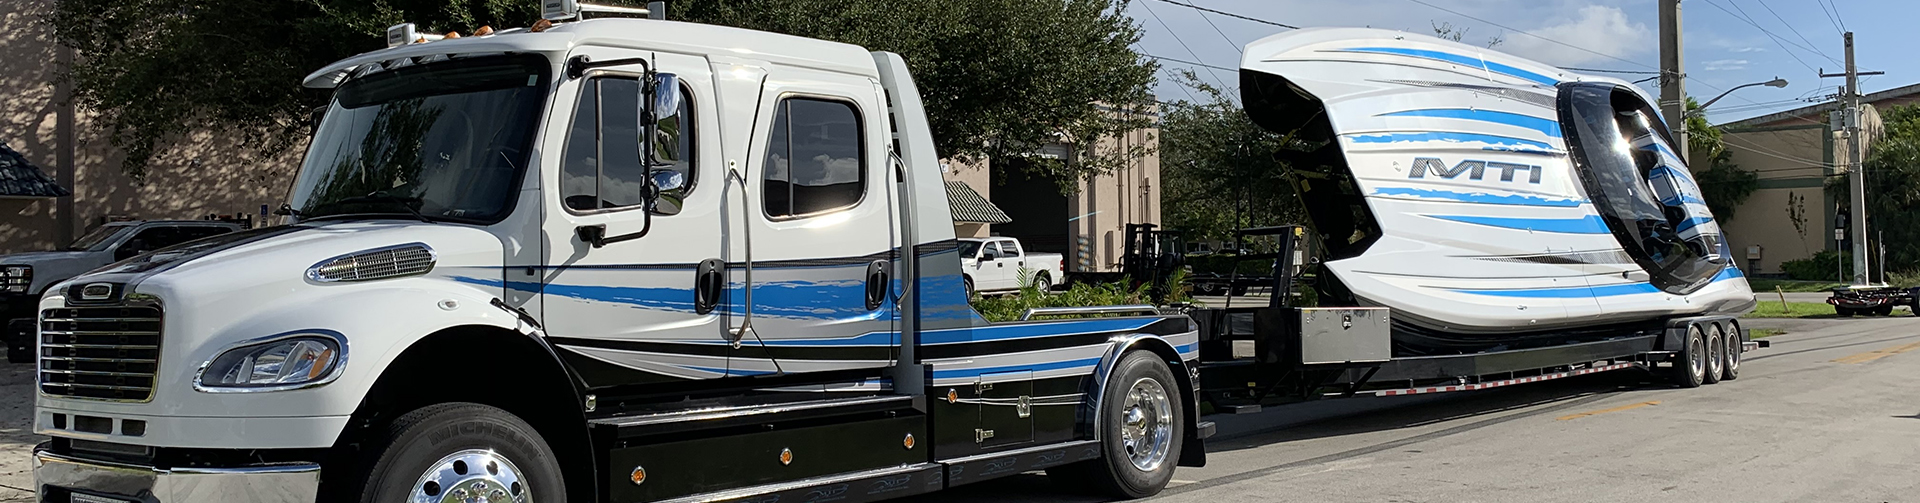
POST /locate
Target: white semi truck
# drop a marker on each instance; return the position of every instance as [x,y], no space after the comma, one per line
[596,260]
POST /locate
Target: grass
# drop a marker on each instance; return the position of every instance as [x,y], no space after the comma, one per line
[1762,333]
[1793,310]
[1767,285]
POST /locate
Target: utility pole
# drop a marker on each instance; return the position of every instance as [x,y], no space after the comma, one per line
[1673,88]
[1856,175]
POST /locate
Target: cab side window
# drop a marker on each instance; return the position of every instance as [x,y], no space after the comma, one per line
[602,167]
[815,163]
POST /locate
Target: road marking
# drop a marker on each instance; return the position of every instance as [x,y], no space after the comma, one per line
[1878,354]
[1604,411]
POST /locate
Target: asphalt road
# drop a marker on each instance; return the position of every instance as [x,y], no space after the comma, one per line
[1830,413]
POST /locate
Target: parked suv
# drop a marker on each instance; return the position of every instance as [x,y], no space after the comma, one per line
[24,276]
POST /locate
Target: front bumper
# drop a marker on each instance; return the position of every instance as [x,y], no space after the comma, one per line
[56,477]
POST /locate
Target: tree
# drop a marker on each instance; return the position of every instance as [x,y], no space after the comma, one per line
[1448,31]
[1220,168]
[1722,183]
[1893,177]
[999,77]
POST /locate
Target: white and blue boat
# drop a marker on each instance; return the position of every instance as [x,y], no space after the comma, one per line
[1491,201]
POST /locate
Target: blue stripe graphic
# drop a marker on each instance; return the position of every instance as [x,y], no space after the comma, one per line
[1545,126]
[1584,291]
[1590,224]
[1034,367]
[1667,170]
[1463,60]
[1027,330]
[1494,142]
[1479,197]
[1676,201]
[1692,222]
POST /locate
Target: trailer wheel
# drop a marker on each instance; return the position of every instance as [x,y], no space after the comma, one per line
[1886,310]
[1716,353]
[461,452]
[1690,369]
[1141,431]
[1736,344]
[1842,311]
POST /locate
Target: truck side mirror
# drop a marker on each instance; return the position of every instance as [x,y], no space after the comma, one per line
[988,256]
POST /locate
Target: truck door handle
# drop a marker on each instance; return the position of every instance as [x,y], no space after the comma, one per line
[709,280]
[879,281]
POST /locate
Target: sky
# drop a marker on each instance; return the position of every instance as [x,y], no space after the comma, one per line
[1723,46]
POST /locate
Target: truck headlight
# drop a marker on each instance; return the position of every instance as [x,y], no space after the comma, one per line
[16,278]
[287,361]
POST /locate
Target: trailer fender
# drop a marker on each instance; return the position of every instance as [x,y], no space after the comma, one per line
[1193,452]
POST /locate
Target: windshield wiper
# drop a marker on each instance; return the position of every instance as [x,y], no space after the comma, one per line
[405,203]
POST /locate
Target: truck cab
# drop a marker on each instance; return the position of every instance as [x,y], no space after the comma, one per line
[24,276]
[600,260]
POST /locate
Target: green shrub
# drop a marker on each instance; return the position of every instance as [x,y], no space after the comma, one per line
[1010,307]
[1820,268]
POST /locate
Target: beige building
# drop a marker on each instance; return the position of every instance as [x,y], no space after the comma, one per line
[1088,227]
[199,175]
[1794,152]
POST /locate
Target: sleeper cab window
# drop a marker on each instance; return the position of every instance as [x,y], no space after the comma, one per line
[815,163]
[603,167]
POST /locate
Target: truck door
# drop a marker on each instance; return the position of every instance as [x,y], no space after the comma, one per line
[626,313]
[1016,263]
[821,224]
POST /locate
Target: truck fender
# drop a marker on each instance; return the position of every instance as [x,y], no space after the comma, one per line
[1194,452]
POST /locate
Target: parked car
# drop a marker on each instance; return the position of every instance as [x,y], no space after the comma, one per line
[24,276]
[1001,265]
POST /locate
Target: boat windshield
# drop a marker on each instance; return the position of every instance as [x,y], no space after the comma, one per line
[1646,195]
[445,140]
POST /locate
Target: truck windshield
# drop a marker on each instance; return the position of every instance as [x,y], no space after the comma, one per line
[445,140]
[99,236]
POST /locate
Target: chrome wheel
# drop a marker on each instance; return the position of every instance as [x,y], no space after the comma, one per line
[1697,364]
[1147,424]
[471,476]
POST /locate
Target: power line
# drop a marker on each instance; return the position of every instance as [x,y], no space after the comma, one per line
[1216,29]
[1575,47]
[1189,62]
[1183,44]
[1764,30]
[1232,15]
[1796,31]
[1836,15]
[1524,32]
[1776,39]
[1830,19]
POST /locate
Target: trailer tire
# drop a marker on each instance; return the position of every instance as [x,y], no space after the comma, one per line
[1843,311]
[1690,364]
[1736,344]
[1886,310]
[1141,427]
[1716,354]
[456,446]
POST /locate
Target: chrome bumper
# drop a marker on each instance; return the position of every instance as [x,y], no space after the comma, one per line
[55,475]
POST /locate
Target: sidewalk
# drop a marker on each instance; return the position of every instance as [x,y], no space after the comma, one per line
[16,433]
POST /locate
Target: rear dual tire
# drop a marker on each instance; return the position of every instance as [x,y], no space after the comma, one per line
[1142,427]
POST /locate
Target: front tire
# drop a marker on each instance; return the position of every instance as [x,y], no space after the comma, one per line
[1142,427]
[434,451]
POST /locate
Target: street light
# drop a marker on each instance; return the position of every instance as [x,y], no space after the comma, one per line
[1776,82]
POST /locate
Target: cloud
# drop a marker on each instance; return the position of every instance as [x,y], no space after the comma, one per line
[1724,64]
[1597,28]
[1748,49]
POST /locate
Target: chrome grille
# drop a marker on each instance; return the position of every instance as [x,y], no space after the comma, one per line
[109,353]
[404,260]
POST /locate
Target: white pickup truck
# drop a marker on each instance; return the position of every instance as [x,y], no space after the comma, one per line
[1002,265]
